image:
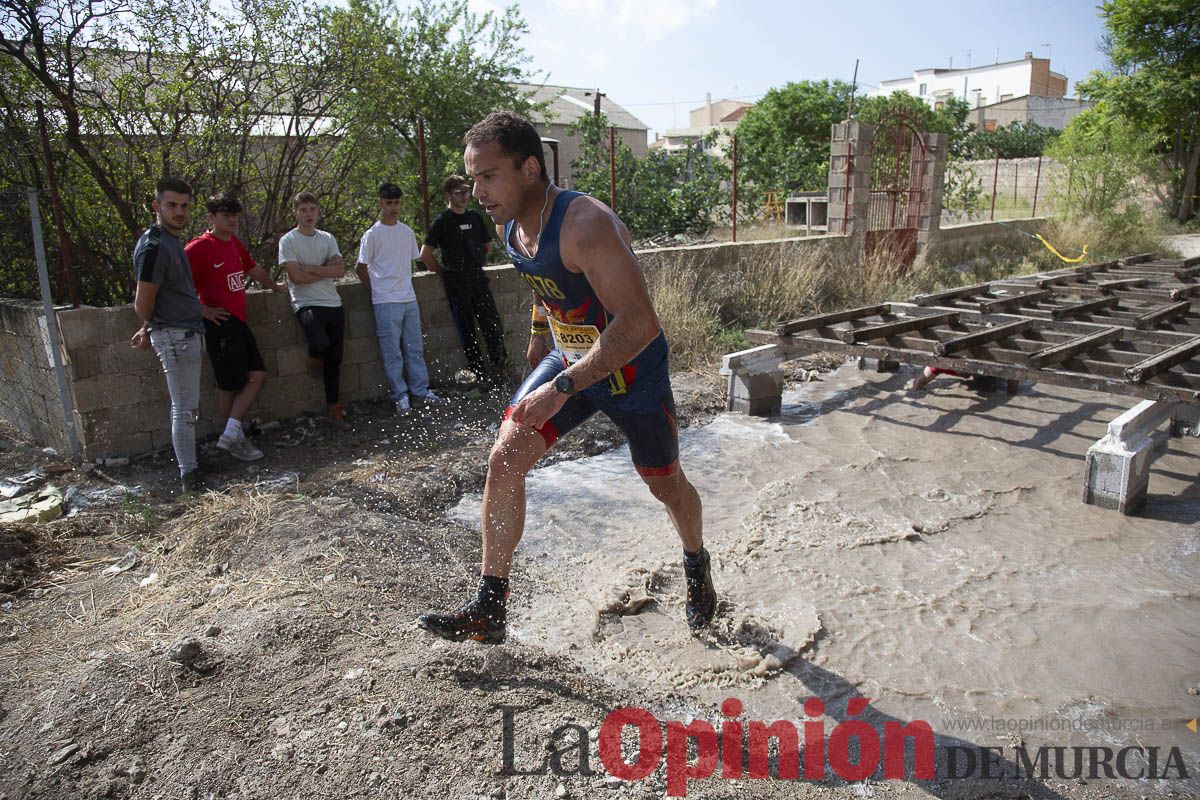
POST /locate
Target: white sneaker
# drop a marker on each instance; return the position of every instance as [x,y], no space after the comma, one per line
[403,406]
[428,399]
[240,449]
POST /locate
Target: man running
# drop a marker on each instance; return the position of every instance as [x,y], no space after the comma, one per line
[598,347]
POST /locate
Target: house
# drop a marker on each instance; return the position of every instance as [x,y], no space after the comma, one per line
[723,115]
[566,105]
[998,94]
[1050,112]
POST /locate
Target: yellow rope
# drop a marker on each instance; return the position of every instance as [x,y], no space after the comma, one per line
[1050,247]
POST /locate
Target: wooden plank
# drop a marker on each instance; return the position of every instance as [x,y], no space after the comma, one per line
[1001,303]
[1084,308]
[856,335]
[825,320]
[1139,258]
[1187,274]
[948,346]
[934,298]
[1151,319]
[1121,283]
[1184,291]
[1073,347]
[802,344]
[1138,373]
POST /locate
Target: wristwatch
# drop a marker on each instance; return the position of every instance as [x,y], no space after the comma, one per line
[564,384]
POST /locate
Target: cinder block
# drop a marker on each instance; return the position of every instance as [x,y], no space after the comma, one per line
[360,323]
[292,360]
[360,349]
[354,297]
[1116,478]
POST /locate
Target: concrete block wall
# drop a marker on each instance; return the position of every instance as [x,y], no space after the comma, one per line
[120,395]
[28,387]
[962,242]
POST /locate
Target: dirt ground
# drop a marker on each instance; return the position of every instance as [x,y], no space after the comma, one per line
[260,642]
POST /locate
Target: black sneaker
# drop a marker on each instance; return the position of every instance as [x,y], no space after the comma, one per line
[192,482]
[469,622]
[701,597]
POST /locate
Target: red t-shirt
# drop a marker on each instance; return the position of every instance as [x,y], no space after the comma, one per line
[219,272]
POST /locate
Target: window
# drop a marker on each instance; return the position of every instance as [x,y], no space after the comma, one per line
[924,87]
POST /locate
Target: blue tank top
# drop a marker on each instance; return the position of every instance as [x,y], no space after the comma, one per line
[576,315]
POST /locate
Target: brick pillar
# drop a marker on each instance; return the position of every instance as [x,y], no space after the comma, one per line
[850,181]
[936,146]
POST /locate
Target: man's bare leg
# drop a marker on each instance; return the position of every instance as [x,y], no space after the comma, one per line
[516,450]
[684,508]
[483,619]
[682,501]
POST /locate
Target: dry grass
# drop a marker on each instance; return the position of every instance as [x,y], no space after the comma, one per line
[1107,238]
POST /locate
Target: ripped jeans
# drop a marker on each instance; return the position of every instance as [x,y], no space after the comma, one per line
[180,352]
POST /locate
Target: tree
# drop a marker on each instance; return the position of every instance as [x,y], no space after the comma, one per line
[1154,50]
[265,99]
[1103,153]
[783,141]
[1016,140]
[662,192]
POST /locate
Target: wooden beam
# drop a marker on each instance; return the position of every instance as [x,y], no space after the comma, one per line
[856,335]
[1121,283]
[1139,372]
[1085,307]
[825,320]
[948,346]
[1151,319]
[1001,303]
[802,344]
[1073,347]
[1138,259]
[934,298]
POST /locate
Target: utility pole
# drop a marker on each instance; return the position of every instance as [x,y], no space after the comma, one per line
[599,94]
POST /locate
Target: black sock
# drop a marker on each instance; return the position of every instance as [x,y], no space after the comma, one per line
[492,595]
[693,559]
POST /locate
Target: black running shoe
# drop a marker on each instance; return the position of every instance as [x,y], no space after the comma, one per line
[701,597]
[469,622]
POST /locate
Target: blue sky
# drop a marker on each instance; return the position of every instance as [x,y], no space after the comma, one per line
[658,58]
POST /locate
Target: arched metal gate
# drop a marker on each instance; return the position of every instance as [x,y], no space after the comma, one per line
[897,193]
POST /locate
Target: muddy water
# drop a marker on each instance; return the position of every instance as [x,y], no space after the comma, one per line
[927,551]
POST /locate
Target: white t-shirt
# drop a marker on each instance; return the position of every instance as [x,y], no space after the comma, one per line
[389,252]
[312,250]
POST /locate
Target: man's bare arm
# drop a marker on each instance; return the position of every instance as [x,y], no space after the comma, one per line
[429,259]
[264,278]
[297,274]
[364,276]
[144,298]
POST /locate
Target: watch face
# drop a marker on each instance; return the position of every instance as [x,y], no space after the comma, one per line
[564,384]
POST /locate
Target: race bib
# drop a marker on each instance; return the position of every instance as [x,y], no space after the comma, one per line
[573,341]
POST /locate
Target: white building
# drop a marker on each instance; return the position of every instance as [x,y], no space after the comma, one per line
[981,86]
[723,115]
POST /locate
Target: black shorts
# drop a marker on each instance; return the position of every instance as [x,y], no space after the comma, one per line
[233,352]
[646,415]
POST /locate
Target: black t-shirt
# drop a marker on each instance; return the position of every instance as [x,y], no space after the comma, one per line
[461,238]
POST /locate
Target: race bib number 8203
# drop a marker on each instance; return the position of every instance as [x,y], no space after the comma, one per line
[573,341]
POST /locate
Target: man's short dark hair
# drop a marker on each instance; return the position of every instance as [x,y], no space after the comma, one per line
[516,135]
[169,184]
[389,191]
[223,202]
[305,197]
[454,182]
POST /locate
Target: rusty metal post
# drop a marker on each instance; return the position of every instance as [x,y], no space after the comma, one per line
[70,280]
[1016,169]
[612,168]
[734,218]
[995,180]
[424,178]
[1036,182]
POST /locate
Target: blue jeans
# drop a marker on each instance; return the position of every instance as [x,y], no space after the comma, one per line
[398,326]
